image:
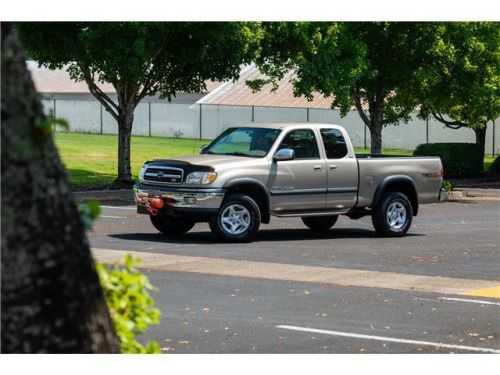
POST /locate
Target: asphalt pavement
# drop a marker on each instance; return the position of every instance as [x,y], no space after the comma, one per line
[436,290]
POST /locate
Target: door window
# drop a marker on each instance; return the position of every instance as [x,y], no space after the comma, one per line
[303,142]
[334,142]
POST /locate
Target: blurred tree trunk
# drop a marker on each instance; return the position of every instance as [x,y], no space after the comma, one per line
[52,301]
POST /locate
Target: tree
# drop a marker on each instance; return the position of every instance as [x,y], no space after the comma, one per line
[140,59]
[52,301]
[362,64]
[459,83]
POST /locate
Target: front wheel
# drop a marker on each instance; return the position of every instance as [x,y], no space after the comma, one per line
[393,216]
[170,226]
[319,223]
[237,220]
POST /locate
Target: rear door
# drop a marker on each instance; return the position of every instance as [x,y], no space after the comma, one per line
[299,184]
[342,170]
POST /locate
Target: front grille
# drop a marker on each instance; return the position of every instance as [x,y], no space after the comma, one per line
[166,175]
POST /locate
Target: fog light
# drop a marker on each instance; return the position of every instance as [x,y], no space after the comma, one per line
[190,200]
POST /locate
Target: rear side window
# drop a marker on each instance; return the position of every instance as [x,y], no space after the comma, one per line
[334,142]
[303,142]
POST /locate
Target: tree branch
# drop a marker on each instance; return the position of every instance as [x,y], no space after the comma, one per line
[104,99]
[450,124]
[359,107]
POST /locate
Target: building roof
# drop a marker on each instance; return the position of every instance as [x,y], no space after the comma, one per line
[238,93]
[58,82]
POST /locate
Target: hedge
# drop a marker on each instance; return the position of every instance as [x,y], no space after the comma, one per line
[460,160]
[495,166]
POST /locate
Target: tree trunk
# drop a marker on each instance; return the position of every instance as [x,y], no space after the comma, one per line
[376,125]
[376,138]
[125,121]
[52,301]
[481,137]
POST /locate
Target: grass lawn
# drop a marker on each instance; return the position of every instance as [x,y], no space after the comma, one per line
[91,158]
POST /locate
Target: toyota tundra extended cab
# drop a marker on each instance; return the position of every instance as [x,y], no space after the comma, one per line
[252,172]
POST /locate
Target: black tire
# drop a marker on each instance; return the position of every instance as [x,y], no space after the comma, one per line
[170,226]
[319,223]
[250,219]
[382,220]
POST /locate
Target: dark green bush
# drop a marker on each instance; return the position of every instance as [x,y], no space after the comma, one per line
[460,160]
[495,166]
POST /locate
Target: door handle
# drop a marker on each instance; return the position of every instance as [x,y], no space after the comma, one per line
[317,167]
[333,166]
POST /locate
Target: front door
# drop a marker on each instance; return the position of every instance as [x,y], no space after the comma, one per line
[299,184]
[342,171]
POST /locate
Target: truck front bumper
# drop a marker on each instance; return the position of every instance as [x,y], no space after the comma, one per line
[179,201]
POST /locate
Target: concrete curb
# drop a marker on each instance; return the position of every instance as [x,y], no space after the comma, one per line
[104,195]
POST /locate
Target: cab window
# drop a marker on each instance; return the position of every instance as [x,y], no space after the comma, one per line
[303,142]
[334,142]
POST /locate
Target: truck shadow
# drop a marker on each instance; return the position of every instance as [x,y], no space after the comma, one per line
[270,235]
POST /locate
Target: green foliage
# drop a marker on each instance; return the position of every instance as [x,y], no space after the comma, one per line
[448,185]
[495,166]
[458,80]
[45,124]
[89,211]
[359,63]
[131,306]
[460,160]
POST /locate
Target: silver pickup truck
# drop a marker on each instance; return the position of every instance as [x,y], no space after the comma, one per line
[252,172]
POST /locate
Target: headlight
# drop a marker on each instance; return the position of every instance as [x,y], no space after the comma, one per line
[203,178]
[142,171]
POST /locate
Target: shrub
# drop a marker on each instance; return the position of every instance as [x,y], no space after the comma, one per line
[460,160]
[495,166]
[132,308]
[447,185]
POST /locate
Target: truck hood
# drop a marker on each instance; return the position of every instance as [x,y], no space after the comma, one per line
[202,160]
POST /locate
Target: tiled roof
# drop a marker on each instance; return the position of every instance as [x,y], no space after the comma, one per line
[59,82]
[238,93]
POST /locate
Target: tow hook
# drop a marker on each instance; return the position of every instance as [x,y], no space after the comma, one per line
[154,205]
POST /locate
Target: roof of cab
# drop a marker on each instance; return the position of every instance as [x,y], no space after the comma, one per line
[282,125]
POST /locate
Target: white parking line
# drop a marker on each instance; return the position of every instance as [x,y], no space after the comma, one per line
[113,217]
[390,339]
[121,207]
[482,302]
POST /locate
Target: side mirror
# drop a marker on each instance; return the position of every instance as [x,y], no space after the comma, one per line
[202,148]
[284,154]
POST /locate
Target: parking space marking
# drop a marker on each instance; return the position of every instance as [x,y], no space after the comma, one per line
[112,217]
[390,339]
[296,273]
[481,302]
[492,292]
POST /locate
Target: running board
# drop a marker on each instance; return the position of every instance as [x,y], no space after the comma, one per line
[308,213]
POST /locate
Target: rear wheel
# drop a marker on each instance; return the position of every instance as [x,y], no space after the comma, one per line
[319,223]
[171,226]
[237,220]
[393,216]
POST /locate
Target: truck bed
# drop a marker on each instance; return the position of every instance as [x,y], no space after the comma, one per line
[425,171]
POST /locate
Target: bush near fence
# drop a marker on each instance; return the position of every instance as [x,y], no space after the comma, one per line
[460,160]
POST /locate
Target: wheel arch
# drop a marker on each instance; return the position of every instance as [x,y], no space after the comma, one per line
[256,190]
[398,183]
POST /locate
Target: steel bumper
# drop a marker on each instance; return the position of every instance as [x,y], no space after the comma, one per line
[190,199]
[443,195]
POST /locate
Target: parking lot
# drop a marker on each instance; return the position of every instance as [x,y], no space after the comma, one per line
[345,291]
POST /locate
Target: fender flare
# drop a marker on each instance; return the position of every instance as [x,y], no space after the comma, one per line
[251,181]
[382,187]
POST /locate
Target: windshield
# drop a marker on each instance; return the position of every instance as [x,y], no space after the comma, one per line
[251,142]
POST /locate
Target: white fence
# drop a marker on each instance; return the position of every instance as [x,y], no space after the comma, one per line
[207,121]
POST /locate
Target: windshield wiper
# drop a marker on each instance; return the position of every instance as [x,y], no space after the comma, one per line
[209,152]
[238,153]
